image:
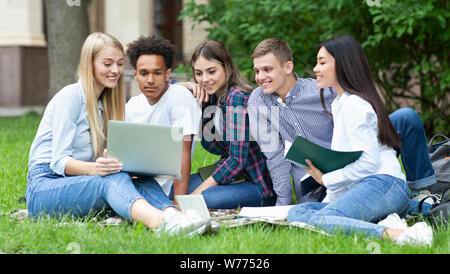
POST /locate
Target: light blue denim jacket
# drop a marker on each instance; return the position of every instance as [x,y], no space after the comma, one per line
[63,133]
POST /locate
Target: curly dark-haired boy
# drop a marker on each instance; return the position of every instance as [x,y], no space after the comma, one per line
[160,103]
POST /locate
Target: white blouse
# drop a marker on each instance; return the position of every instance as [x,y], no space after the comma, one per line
[356,128]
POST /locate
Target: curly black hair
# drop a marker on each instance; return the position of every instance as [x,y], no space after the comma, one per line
[151,45]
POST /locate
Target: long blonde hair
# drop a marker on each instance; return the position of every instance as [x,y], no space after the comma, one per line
[113,100]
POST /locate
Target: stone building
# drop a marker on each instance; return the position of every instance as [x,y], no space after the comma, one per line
[24,71]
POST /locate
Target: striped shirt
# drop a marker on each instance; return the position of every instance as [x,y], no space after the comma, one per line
[273,122]
[238,154]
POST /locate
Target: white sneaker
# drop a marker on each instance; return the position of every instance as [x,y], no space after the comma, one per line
[393,221]
[188,223]
[418,234]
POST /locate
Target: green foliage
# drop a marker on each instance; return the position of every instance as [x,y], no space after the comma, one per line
[183,70]
[406,42]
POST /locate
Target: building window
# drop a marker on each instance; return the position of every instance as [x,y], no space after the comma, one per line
[167,24]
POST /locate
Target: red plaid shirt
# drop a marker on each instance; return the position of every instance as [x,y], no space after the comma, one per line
[238,154]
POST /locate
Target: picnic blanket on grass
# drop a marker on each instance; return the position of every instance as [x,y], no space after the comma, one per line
[226,218]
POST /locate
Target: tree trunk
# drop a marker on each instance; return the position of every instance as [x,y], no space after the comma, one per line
[67,28]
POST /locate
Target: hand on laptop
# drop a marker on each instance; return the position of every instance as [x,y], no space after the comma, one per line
[106,166]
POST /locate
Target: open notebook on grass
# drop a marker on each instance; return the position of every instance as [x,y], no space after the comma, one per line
[273,212]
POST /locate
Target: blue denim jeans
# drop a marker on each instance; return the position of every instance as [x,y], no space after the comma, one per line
[55,195]
[357,209]
[414,151]
[229,196]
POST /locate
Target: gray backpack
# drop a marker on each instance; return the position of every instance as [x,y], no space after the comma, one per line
[440,159]
[439,213]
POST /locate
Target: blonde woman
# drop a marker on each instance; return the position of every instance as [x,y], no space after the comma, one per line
[69,170]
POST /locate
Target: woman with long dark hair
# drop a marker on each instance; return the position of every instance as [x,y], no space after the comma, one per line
[372,187]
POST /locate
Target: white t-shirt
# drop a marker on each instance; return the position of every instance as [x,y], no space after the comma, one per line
[356,128]
[177,107]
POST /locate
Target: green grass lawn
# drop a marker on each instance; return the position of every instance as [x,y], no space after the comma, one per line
[87,236]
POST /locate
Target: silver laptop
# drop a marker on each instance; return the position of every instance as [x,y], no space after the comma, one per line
[145,149]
